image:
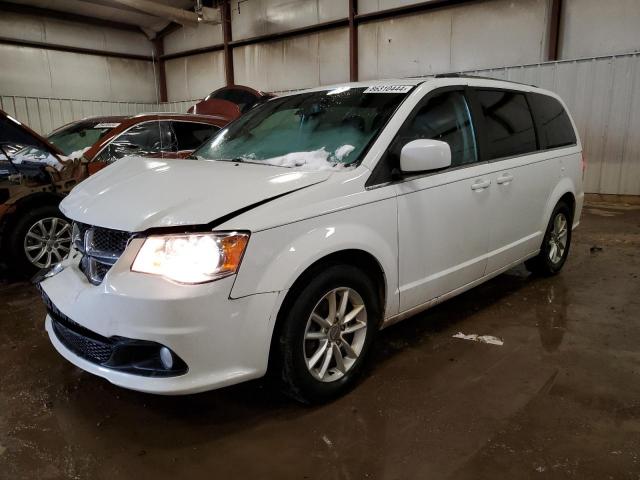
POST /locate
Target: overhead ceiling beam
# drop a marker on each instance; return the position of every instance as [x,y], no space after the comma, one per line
[178,15]
[72,17]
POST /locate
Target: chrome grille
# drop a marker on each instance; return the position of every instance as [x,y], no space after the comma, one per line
[100,247]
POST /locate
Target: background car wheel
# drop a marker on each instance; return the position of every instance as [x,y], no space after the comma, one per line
[327,334]
[556,243]
[38,239]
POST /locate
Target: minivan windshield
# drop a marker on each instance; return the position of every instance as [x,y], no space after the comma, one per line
[323,130]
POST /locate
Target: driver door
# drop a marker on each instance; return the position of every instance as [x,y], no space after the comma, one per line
[443,216]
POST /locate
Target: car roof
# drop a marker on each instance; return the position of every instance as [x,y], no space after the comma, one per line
[448,78]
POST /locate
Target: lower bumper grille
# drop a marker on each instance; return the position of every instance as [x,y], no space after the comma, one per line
[93,350]
[138,357]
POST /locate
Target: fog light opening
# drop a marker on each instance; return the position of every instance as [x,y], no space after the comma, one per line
[166,357]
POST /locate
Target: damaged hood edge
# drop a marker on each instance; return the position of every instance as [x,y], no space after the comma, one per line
[135,193]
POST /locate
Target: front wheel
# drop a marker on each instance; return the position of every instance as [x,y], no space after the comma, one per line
[38,239]
[556,243]
[327,334]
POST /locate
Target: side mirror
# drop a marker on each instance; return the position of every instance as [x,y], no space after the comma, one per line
[425,155]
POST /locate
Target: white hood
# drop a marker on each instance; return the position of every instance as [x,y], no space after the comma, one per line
[137,193]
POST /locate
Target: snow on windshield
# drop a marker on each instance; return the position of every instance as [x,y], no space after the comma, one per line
[319,130]
[319,159]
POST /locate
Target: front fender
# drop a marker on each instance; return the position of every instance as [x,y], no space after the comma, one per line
[276,257]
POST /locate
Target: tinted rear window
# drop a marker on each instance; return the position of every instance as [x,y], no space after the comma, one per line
[508,123]
[555,128]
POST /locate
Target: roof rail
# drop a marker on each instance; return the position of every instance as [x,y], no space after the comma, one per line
[479,77]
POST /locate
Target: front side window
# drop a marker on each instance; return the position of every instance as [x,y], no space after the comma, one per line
[144,139]
[445,117]
[556,129]
[508,123]
[313,131]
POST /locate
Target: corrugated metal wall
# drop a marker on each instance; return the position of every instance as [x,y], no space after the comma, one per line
[603,95]
[46,114]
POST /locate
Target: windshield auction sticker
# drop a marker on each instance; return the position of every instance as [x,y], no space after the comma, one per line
[106,125]
[388,89]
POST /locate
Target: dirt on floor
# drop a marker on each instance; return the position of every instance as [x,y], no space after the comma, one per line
[559,399]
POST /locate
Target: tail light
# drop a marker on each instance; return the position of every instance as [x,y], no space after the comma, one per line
[583,163]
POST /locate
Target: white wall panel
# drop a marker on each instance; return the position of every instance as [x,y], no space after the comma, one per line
[299,62]
[405,46]
[369,6]
[454,38]
[501,32]
[75,34]
[189,38]
[28,73]
[195,76]
[600,27]
[49,73]
[260,17]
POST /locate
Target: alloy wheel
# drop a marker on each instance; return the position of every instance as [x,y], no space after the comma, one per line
[335,334]
[558,238]
[47,241]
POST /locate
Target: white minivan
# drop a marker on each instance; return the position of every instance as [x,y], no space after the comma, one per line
[299,230]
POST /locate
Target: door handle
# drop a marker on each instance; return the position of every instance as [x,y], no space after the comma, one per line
[504,179]
[480,184]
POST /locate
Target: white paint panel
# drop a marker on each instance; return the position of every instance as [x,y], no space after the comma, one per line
[29,72]
[50,73]
[75,34]
[131,80]
[369,6]
[299,62]
[600,27]
[260,17]
[451,39]
[189,38]
[195,76]
[405,46]
[501,32]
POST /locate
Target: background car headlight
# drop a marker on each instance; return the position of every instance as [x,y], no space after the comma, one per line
[192,258]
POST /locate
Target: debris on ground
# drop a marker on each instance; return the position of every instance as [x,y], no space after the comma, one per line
[595,249]
[474,337]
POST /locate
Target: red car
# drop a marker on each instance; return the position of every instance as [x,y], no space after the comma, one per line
[34,178]
[230,101]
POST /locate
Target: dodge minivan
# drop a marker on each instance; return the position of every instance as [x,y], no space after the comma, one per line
[297,232]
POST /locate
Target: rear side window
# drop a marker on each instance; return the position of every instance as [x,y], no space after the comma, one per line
[554,127]
[191,135]
[508,123]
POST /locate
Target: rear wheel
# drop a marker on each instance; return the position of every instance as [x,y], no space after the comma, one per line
[556,243]
[327,334]
[39,238]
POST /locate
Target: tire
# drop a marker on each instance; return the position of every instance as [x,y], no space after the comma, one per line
[16,240]
[304,383]
[548,263]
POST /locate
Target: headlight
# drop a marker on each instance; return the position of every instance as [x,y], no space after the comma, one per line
[192,258]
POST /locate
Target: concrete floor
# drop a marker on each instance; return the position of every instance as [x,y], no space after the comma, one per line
[560,398]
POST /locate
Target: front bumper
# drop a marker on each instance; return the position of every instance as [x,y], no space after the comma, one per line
[221,341]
